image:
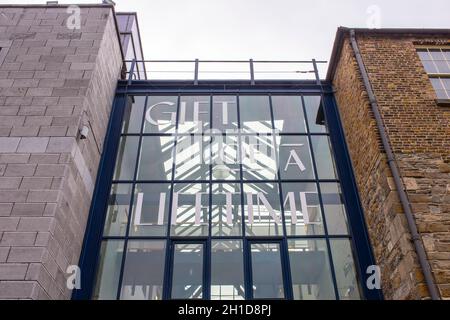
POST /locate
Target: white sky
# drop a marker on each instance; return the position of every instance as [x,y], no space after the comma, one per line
[263,29]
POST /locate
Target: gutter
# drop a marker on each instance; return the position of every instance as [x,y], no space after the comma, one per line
[418,245]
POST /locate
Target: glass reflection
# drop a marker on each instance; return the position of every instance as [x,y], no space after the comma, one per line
[334,208]
[302,209]
[192,159]
[314,114]
[322,154]
[227,270]
[255,114]
[143,272]
[310,270]
[259,160]
[225,157]
[117,212]
[132,118]
[126,158]
[295,157]
[262,209]
[187,278]
[108,271]
[224,111]
[344,267]
[226,209]
[193,116]
[190,208]
[156,158]
[160,114]
[150,209]
[266,271]
[288,114]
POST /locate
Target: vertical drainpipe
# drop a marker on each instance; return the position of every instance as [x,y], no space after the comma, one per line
[396,175]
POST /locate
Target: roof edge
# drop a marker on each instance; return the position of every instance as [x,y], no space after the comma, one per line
[59,5]
[342,31]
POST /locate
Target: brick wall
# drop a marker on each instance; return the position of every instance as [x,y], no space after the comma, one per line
[419,133]
[52,81]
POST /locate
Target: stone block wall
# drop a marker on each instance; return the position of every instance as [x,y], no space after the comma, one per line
[419,133]
[53,80]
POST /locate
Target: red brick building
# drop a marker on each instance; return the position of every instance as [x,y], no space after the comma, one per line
[402,65]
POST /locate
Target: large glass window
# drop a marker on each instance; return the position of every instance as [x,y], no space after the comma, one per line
[205,185]
[144,270]
[267,274]
[227,270]
[436,62]
[187,276]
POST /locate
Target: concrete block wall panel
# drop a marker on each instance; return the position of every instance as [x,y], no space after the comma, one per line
[53,81]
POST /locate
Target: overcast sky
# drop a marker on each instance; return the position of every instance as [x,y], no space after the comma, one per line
[264,29]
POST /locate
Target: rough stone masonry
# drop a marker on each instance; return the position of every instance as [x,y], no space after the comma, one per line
[53,80]
[419,133]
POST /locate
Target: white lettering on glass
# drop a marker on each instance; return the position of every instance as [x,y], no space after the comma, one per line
[138,213]
[173,117]
[290,198]
[260,197]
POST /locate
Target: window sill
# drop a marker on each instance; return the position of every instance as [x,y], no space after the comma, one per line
[443,102]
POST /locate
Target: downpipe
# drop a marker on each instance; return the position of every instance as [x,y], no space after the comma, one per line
[418,245]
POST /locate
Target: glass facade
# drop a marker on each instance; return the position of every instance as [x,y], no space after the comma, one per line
[130,41]
[225,197]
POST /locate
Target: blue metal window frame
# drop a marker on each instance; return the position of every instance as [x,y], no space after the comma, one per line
[359,239]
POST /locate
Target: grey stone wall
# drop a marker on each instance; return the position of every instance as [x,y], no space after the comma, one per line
[53,80]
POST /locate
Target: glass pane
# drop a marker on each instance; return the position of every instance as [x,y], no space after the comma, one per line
[334,208]
[117,212]
[262,209]
[126,158]
[255,114]
[322,154]
[446,83]
[192,156]
[310,270]
[156,158]
[429,66]
[226,209]
[266,271]
[225,157]
[437,84]
[302,209]
[187,279]
[190,208]
[143,274]
[295,157]
[441,94]
[224,113]
[194,114]
[446,54]
[134,111]
[344,268]
[258,157]
[314,114]
[150,209]
[436,54]
[288,114]
[423,54]
[227,270]
[160,114]
[442,66]
[109,270]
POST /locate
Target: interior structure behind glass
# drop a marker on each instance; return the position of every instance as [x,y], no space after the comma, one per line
[225,197]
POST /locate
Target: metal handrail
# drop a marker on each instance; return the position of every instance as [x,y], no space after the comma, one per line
[132,73]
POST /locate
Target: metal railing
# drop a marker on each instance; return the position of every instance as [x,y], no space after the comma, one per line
[198,70]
